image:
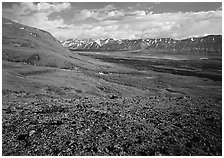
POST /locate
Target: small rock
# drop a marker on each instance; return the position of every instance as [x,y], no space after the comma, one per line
[22,137]
[158,154]
[32,132]
[113,96]
[58,122]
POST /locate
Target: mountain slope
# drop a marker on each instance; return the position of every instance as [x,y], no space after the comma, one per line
[34,46]
[211,43]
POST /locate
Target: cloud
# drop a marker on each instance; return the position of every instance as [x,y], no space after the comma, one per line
[173,25]
[84,14]
[25,8]
[65,27]
[56,7]
[110,22]
[107,8]
[36,15]
[106,12]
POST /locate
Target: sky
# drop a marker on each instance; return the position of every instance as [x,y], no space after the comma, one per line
[119,20]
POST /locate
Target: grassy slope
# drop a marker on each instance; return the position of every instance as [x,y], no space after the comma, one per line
[34,46]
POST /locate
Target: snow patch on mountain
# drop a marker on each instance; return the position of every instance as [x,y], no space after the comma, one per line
[98,42]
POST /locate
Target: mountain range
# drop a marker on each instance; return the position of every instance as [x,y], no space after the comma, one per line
[210,43]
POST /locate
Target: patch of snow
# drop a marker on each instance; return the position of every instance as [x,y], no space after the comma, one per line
[119,41]
[149,77]
[17,45]
[8,23]
[192,39]
[22,28]
[88,45]
[98,42]
[106,41]
[66,69]
[101,73]
[33,34]
[70,44]
[203,58]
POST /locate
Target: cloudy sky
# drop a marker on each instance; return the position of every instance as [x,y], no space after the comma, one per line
[119,20]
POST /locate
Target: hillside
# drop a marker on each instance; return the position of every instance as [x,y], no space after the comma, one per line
[34,46]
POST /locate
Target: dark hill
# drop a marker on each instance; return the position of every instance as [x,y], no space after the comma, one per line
[34,46]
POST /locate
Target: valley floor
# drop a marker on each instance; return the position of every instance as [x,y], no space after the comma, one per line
[124,107]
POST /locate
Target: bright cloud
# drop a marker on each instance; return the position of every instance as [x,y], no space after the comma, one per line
[108,11]
[110,22]
[36,15]
[174,25]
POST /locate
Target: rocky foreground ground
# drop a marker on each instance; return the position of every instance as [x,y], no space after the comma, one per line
[52,124]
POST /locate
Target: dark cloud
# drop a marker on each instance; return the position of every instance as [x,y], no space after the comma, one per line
[65,27]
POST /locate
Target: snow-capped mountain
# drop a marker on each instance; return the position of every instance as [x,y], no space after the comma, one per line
[211,43]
